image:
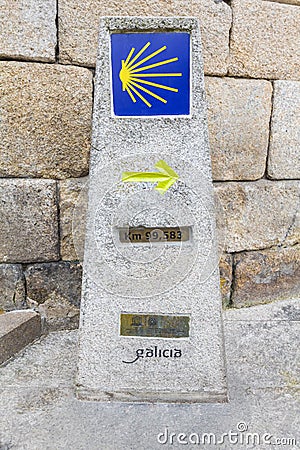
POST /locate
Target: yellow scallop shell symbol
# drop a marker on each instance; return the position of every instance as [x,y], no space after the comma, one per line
[132,75]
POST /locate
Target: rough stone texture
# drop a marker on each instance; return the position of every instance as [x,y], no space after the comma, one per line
[284,154]
[265,276]
[288,2]
[163,279]
[17,329]
[72,196]
[238,123]
[28,29]
[54,289]
[265,40]
[12,287]
[260,215]
[78,26]
[46,120]
[28,220]
[263,374]
[225,266]
[283,310]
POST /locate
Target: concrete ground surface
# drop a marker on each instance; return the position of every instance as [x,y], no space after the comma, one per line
[39,411]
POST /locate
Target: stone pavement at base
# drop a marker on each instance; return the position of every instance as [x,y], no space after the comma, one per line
[38,410]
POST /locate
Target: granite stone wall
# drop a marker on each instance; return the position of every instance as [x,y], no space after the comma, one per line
[252,64]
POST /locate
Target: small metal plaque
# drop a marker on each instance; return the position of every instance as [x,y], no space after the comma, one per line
[154,234]
[152,325]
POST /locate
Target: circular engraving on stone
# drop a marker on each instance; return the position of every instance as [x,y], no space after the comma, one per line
[142,270]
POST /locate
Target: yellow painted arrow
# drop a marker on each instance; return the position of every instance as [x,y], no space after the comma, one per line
[165,178]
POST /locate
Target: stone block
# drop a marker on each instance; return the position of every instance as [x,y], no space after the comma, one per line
[73,204]
[78,26]
[28,220]
[284,154]
[46,120]
[265,40]
[261,214]
[283,310]
[54,289]
[28,29]
[17,329]
[225,266]
[12,287]
[238,124]
[267,275]
[142,298]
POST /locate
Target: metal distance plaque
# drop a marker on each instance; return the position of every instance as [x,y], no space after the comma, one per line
[154,234]
[153,325]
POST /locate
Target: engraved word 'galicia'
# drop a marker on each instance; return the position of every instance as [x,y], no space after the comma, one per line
[155,352]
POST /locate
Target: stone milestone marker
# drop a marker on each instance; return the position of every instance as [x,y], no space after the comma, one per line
[151,327]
